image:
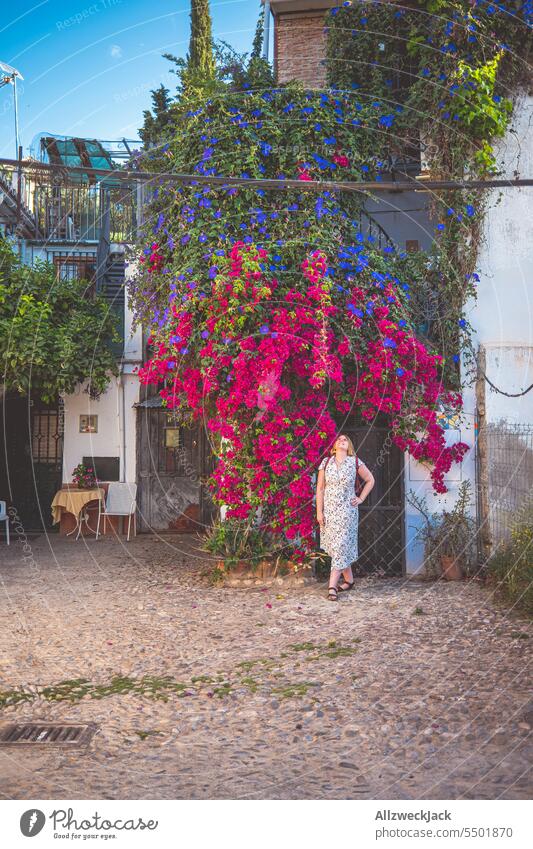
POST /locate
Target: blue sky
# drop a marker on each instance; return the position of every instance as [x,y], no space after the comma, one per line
[89,65]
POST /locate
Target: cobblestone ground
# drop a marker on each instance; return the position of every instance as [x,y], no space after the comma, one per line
[401,690]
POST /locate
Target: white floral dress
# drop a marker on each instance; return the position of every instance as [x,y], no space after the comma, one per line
[338,535]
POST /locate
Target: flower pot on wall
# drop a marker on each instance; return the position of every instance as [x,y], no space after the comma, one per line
[451,570]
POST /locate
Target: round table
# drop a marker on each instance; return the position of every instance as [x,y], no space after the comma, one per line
[74,501]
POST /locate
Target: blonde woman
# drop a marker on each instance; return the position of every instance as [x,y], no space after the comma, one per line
[337,503]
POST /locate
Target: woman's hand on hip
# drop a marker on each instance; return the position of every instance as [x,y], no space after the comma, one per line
[356,501]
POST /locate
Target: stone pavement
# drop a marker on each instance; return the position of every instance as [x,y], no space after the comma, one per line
[401,690]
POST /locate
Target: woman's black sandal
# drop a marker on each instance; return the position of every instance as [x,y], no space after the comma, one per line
[332,597]
[346,588]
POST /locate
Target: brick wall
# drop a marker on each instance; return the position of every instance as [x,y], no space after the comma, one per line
[300,41]
[300,47]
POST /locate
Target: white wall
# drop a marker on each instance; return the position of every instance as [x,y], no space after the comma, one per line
[117,416]
[501,318]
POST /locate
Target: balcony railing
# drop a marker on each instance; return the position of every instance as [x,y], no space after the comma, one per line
[48,205]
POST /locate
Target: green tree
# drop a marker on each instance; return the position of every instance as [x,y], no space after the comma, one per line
[257,44]
[54,333]
[156,122]
[200,58]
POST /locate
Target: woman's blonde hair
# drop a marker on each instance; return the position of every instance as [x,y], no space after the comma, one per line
[351,449]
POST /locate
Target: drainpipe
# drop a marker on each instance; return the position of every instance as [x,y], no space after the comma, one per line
[266,35]
[122,422]
[482,482]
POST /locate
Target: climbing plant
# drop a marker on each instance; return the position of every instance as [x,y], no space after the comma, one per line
[54,333]
[275,315]
[450,71]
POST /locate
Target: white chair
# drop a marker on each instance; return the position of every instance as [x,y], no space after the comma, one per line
[4,518]
[120,501]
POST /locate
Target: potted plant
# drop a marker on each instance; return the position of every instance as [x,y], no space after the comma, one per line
[240,546]
[449,537]
[84,477]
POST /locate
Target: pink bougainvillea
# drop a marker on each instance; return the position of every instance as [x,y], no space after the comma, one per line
[271,364]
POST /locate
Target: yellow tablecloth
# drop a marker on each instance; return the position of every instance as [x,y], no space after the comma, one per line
[73,501]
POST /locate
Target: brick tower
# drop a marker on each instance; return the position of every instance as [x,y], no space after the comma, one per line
[299,40]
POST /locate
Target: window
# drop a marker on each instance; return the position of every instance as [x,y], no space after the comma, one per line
[75,267]
[105,468]
[88,424]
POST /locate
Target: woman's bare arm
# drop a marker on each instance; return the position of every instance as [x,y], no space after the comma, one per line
[369,480]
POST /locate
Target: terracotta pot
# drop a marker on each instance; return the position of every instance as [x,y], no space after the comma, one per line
[265,569]
[242,567]
[451,570]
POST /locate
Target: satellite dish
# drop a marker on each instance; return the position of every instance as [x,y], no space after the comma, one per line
[12,72]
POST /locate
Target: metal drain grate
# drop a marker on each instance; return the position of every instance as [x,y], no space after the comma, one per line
[46,733]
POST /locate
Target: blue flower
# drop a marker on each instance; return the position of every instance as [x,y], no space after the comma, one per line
[470,209]
[461,322]
[264,328]
[399,372]
[205,334]
[389,343]
[321,162]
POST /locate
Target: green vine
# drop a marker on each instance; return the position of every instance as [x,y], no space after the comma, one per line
[449,73]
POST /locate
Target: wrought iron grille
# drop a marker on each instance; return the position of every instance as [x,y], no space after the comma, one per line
[47,436]
[74,265]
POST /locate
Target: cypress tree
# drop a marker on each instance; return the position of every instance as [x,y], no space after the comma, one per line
[200,58]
